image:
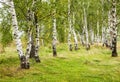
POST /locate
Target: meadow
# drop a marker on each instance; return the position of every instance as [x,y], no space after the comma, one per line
[95,65]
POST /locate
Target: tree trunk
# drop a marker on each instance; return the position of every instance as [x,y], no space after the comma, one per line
[33,22]
[37,39]
[114,29]
[92,36]
[81,38]
[74,34]
[109,30]
[70,26]
[98,31]
[30,25]
[54,32]
[17,35]
[32,52]
[103,35]
[86,30]
[28,45]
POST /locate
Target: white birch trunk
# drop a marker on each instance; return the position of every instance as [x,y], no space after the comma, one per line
[16,32]
[98,29]
[37,36]
[98,37]
[81,37]
[54,32]
[86,30]
[17,37]
[28,45]
[83,32]
[92,36]
[103,35]
[70,26]
[33,22]
[114,29]
[74,33]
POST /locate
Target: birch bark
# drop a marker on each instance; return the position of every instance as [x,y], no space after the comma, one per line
[17,37]
[70,26]
[54,31]
[98,31]
[86,30]
[74,33]
[35,43]
[37,36]
[114,29]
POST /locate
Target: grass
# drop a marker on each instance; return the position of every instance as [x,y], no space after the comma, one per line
[95,65]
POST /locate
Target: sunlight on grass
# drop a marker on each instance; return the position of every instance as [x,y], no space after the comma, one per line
[95,65]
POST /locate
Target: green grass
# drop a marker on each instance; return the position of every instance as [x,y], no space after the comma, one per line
[95,65]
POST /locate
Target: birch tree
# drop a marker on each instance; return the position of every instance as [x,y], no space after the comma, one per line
[109,37]
[74,33]
[37,29]
[35,43]
[98,28]
[70,26]
[86,29]
[114,29]
[54,31]
[82,36]
[17,35]
[92,36]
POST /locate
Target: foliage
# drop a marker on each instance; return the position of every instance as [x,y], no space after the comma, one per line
[44,11]
[5,27]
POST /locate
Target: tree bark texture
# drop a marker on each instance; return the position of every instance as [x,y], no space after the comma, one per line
[114,29]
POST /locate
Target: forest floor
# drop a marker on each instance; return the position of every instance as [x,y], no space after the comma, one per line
[95,65]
